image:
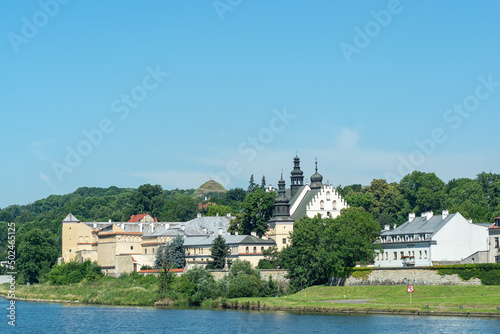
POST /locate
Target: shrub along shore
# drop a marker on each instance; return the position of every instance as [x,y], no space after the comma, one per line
[143,291]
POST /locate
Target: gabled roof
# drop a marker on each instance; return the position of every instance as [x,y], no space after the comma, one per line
[422,225]
[70,219]
[302,208]
[136,218]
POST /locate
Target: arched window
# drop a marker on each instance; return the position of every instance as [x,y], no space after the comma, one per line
[255,249]
[327,195]
[247,250]
[262,249]
[334,203]
[322,205]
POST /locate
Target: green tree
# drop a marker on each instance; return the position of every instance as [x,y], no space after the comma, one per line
[37,253]
[423,191]
[263,182]
[182,208]
[219,251]
[257,210]
[221,210]
[170,256]
[148,198]
[251,184]
[324,247]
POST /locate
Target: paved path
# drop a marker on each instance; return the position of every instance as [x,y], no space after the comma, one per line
[347,301]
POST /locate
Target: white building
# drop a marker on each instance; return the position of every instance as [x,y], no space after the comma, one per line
[431,240]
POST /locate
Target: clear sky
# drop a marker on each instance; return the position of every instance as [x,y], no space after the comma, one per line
[102,93]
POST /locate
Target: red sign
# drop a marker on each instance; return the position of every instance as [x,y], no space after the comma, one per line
[410,288]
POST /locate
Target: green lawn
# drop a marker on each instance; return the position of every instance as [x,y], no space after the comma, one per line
[390,298]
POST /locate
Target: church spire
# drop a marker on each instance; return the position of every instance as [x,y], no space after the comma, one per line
[316,178]
[297,177]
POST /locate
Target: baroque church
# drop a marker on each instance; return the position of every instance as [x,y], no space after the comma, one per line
[302,200]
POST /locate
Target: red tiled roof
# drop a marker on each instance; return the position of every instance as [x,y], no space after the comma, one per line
[135,218]
[151,271]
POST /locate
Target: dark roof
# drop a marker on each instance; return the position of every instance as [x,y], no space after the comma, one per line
[230,240]
[302,207]
[422,225]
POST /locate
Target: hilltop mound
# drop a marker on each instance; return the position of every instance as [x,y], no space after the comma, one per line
[211,186]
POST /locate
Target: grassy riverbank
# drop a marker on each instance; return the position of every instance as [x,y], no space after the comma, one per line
[105,291]
[439,299]
[472,299]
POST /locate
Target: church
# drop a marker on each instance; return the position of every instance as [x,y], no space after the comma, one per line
[302,199]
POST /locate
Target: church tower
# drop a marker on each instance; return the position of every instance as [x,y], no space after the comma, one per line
[281,224]
[316,179]
[297,177]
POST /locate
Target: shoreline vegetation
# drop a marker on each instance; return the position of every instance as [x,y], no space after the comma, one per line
[476,301]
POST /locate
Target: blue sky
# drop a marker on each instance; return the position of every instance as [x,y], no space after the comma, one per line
[178,92]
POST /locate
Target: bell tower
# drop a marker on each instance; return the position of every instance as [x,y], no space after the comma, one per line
[297,177]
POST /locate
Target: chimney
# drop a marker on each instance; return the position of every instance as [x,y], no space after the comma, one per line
[394,226]
[469,220]
[198,215]
[109,221]
[94,225]
[254,234]
[236,233]
[152,227]
[140,227]
[167,226]
[264,237]
[220,230]
[205,230]
[445,214]
[428,215]
[228,215]
[183,227]
[217,214]
[411,216]
[387,227]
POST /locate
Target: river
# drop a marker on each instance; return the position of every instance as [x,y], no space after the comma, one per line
[32,317]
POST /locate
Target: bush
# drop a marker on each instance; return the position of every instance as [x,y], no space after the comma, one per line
[74,272]
[265,264]
[488,273]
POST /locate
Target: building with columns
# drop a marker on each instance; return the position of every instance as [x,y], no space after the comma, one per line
[302,199]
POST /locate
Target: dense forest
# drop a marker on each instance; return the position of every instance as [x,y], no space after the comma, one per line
[38,225]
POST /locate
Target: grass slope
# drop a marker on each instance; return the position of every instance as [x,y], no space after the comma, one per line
[388,298]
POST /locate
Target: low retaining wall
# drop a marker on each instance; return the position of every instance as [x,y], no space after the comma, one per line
[412,276]
[276,274]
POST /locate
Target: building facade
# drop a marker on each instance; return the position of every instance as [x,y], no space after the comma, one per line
[302,199]
[431,240]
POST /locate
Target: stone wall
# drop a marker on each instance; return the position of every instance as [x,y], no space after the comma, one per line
[405,277]
[277,275]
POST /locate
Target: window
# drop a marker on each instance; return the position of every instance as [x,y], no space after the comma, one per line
[386,256]
[327,195]
[395,255]
[131,247]
[420,255]
[145,251]
[425,254]
[262,249]
[322,205]
[328,214]
[247,250]
[334,204]
[496,242]
[402,254]
[378,257]
[284,240]
[255,249]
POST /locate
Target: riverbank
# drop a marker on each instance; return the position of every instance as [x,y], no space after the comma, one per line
[479,301]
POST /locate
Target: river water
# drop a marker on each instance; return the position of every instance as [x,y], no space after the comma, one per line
[31,317]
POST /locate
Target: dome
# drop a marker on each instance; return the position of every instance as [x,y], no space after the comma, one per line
[316,179]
